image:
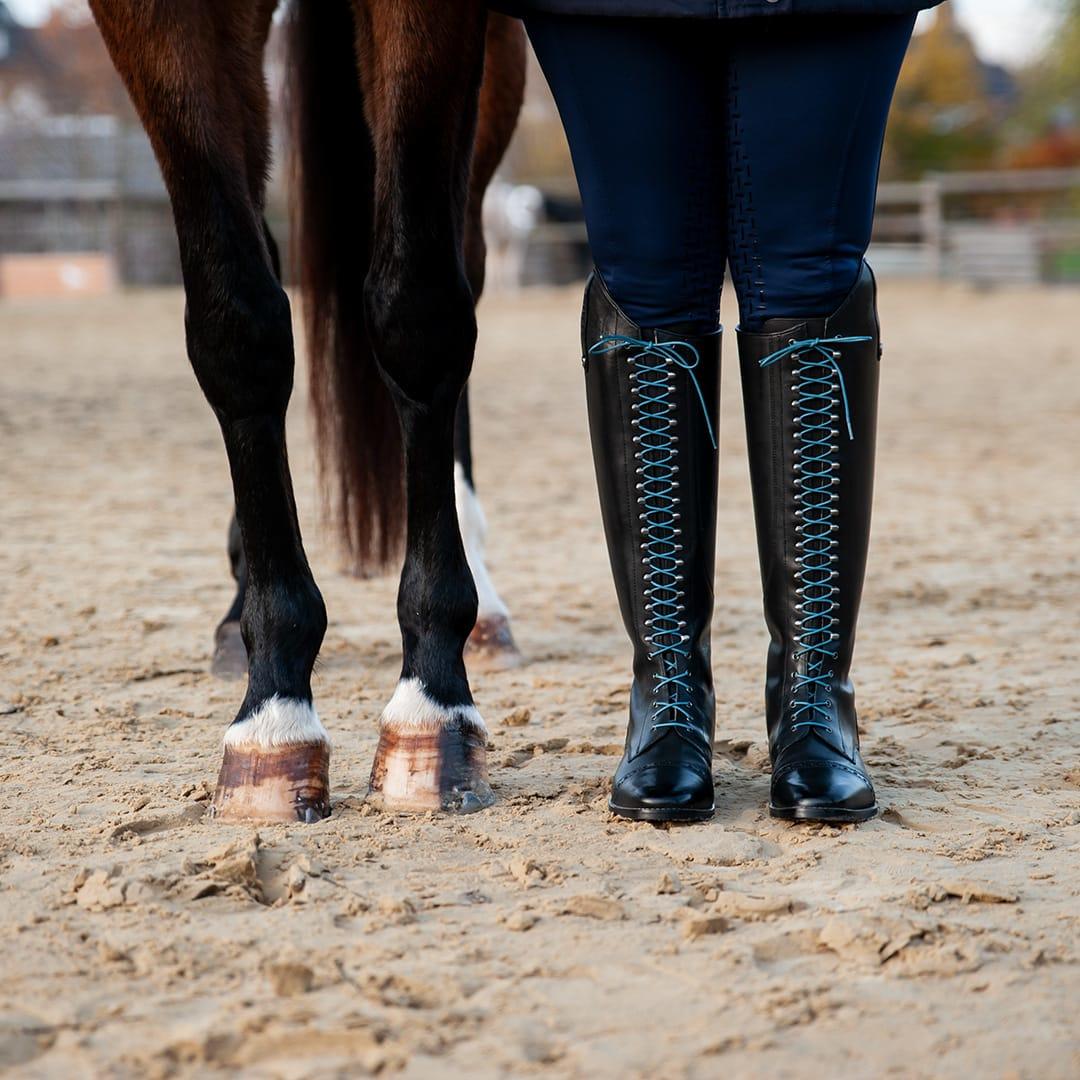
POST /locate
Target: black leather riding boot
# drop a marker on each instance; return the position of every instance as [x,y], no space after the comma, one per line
[810,393]
[653,414]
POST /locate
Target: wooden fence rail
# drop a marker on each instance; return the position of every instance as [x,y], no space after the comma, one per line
[98,190]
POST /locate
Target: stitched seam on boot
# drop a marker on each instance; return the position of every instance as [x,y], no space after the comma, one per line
[814,764]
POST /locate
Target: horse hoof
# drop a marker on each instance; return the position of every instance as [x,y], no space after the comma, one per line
[432,770]
[491,646]
[230,654]
[273,783]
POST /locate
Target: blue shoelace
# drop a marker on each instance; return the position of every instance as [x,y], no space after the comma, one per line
[819,392]
[657,456]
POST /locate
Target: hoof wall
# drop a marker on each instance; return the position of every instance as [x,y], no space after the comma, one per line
[274,784]
[491,646]
[230,654]
[441,770]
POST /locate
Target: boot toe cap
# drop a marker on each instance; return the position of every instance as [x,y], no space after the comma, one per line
[663,792]
[822,791]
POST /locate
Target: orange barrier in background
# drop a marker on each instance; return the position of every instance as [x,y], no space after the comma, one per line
[56,274]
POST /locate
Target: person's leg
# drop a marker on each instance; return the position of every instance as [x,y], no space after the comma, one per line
[809,102]
[640,101]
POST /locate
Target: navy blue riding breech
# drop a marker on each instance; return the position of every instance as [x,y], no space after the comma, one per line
[756,143]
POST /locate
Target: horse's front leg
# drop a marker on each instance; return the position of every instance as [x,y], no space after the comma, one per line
[421,64]
[276,754]
[197,83]
[230,659]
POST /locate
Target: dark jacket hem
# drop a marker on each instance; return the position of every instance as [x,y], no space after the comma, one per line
[709,9]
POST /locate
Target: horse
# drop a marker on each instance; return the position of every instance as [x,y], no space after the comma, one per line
[400,111]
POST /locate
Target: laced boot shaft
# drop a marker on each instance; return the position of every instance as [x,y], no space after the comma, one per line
[810,398]
[653,414]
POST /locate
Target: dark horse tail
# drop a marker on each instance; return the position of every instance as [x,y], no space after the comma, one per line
[333,166]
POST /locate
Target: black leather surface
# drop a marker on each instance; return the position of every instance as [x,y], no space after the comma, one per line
[663,768]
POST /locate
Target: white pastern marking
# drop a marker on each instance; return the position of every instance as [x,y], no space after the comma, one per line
[473,534]
[278,721]
[410,709]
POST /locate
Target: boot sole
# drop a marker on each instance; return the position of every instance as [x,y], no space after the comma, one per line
[835,814]
[661,813]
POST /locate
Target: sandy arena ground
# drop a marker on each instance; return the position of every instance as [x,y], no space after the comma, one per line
[138,938]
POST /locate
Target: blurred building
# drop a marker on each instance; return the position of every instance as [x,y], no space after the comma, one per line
[981,170]
[58,69]
[81,197]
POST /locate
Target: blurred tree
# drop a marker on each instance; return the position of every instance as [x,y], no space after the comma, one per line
[1047,128]
[949,105]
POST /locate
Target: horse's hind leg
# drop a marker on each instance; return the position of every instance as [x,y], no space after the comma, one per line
[230,653]
[421,66]
[491,644]
[194,73]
